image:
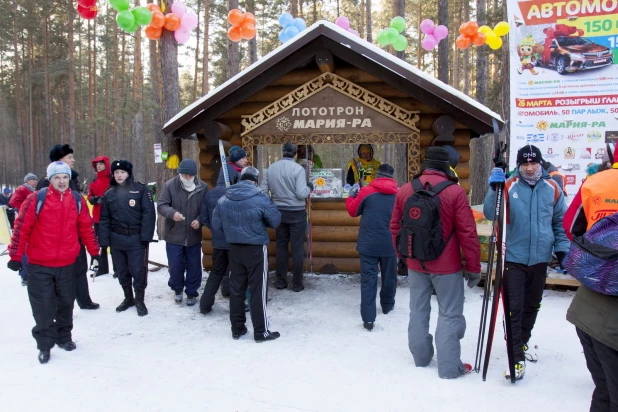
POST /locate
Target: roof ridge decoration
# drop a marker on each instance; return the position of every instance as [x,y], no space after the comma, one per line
[407,118]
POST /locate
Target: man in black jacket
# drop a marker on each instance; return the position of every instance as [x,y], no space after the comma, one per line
[127,225]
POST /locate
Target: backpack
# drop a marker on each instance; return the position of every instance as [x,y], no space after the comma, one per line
[593,257]
[42,195]
[420,236]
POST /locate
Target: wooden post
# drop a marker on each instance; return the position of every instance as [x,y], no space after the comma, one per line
[481,163]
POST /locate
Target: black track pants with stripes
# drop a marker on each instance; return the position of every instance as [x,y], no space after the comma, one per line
[248,267]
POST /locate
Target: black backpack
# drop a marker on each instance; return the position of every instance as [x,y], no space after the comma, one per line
[420,235]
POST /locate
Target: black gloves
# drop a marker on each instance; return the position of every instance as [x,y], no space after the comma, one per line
[310,186]
[94,263]
[402,268]
[95,200]
[14,265]
[560,256]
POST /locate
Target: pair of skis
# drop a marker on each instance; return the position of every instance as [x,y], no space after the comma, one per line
[495,288]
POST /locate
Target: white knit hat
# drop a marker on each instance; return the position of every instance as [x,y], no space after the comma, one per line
[56,168]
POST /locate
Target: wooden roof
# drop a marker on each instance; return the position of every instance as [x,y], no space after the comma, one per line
[301,51]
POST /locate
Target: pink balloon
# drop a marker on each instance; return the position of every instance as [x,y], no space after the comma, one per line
[429,42]
[343,22]
[179,8]
[440,32]
[354,32]
[189,20]
[427,26]
[182,35]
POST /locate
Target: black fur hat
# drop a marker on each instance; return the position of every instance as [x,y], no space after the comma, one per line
[122,165]
[59,151]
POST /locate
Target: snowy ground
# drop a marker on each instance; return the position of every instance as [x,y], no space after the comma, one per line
[177,359]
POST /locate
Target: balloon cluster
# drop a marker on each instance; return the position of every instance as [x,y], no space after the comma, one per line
[393,35]
[290,26]
[433,34]
[243,25]
[471,33]
[181,21]
[492,37]
[344,23]
[87,9]
[130,20]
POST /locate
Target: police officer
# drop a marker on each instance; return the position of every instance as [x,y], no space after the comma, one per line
[127,225]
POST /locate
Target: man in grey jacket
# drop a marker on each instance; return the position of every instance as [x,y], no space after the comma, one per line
[180,203]
[287,183]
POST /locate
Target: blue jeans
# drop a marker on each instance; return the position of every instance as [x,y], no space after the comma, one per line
[183,259]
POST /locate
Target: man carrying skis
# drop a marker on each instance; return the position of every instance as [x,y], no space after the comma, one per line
[444,272]
[535,209]
[236,160]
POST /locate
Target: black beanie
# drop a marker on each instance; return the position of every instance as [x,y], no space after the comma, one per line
[59,151]
[385,170]
[528,154]
[122,165]
[250,173]
[436,158]
[288,149]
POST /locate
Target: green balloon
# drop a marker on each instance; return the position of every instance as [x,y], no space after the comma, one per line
[125,20]
[401,43]
[142,15]
[391,35]
[382,40]
[119,5]
[133,28]
[398,23]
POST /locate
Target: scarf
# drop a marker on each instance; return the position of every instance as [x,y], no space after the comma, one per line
[32,189]
[532,180]
[188,184]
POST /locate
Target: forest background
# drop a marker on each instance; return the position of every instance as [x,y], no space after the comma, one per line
[108,92]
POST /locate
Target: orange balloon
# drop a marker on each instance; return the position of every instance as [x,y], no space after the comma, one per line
[247,31]
[478,39]
[234,34]
[235,17]
[153,7]
[172,22]
[249,19]
[158,20]
[153,33]
[463,42]
[469,28]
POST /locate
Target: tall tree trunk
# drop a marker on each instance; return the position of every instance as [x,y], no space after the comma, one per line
[419,47]
[115,99]
[368,17]
[46,89]
[466,55]
[136,96]
[293,7]
[93,115]
[71,74]
[253,42]
[443,46]
[205,48]
[400,10]
[17,83]
[232,48]
[34,148]
[315,11]
[197,51]
[481,56]
[90,80]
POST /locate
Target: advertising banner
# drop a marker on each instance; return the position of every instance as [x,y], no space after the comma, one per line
[564,82]
[327,183]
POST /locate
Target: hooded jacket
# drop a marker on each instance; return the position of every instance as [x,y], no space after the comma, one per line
[534,219]
[174,198]
[244,213]
[286,181]
[456,217]
[53,237]
[370,167]
[99,185]
[374,203]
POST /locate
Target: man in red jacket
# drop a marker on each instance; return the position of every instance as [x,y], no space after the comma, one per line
[18,198]
[51,237]
[96,190]
[442,274]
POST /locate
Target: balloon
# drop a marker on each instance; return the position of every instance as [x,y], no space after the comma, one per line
[247,31]
[87,3]
[463,42]
[382,40]
[233,34]
[142,15]
[189,20]
[235,17]
[87,13]
[153,33]
[502,28]
[300,24]
[249,18]
[427,26]
[172,22]
[398,23]
[179,9]
[495,44]
[401,43]
[469,28]
[440,32]
[484,29]
[158,20]
[285,20]
[182,35]
[478,39]
[133,28]
[429,42]
[119,5]
[282,37]
[343,22]
[391,35]
[490,37]
[153,7]
[354,32]
[125,20]
[290,32]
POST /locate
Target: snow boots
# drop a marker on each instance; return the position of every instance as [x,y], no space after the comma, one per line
[178,296]
[44,356]
[191,300]
[237,335]
[67,346]
[139,302]
[128,299]
[368,326]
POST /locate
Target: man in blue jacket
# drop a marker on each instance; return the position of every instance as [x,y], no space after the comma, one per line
[535,209]
[243,215]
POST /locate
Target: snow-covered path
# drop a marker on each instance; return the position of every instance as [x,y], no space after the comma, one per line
[177,359]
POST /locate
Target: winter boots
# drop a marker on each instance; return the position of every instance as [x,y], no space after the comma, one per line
[191,300]
[269,336]
[67,346]
[368,326]
[128,299]
[237,335]
[178,297]
[44,356]
[139,302]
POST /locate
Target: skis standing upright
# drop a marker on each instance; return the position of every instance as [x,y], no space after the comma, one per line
[226,175]
[308,230]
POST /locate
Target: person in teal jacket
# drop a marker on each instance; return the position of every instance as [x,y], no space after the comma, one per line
[535,208]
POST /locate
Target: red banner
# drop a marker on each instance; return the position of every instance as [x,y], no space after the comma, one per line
[566,101]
